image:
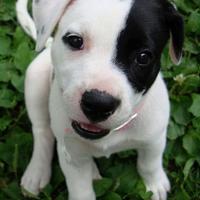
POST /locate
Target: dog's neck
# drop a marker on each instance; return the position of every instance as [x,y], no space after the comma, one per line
[136,112]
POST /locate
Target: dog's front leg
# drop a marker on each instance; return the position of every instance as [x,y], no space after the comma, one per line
[151,169]
[37,87]
[78,173]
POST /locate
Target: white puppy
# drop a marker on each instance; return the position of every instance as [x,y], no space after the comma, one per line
[98,89]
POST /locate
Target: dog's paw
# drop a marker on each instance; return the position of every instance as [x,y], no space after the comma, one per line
[35,178]
[159,186]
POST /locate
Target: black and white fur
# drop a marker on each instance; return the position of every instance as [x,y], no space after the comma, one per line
[116,34]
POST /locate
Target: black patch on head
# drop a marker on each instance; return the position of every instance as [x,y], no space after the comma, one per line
[146,30]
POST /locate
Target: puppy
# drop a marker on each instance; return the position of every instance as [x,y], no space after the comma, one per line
[98,89]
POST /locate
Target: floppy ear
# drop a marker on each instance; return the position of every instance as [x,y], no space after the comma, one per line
[176,27]
[46,14]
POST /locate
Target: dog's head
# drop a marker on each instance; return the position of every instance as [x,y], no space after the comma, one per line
[106,55]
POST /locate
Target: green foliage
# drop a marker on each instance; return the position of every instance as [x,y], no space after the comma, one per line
[121,181]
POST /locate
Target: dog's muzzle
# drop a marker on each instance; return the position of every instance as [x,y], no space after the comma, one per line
[93,132]
[97,106]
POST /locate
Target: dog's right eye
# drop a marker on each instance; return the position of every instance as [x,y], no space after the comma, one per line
[74,41]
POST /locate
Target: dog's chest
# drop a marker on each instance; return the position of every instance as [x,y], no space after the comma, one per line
[107,150]
[115,142]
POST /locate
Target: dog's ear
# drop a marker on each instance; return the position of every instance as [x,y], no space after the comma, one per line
[176,27]
[46,14]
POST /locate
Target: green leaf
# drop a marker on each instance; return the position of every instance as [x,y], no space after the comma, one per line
[128,180]
[20,37]
[141,189]
[188,167]
[181,194]
[191,46]
[18,82]
[7,98]
[179,111]
[15,158]
[175,131]
[191,83]
[102,186]
[194,21]
[47,192]
[196,124]
[7,11]
[197,2]
[127,154]
[5,45]
[184,5]
[5,122]
[13,191]
[23,56]
[191,144]
[8,149]
[5,72]
[195,107]
[112,196]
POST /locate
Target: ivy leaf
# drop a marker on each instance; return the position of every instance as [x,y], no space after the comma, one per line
[179,111]
[5,72]
[18,82]
[191,46]
[13,191]
[102,186]
[23,56]
[191,84]
[194,22]
[5,122]
[7,98]
[128,180]
[112,196]
[175,130]
[196,123]
[7,11]
[141,188]
[191,144]
[188,167]
[182,194]
[195,107]
[8,152]
[19,37]
[5,45]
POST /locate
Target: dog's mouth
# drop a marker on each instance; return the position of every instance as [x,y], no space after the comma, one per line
[89,131]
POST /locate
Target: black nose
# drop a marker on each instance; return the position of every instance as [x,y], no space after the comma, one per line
[98,106]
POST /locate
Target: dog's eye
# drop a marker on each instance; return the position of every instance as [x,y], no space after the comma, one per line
[75,41]
[144,58]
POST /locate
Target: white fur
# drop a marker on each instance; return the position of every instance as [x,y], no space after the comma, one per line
[24,18]
[46,20]
[75,72]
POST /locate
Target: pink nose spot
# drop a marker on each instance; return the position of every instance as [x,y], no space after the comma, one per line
[68,130]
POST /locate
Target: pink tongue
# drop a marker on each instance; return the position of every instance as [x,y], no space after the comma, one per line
[91,128]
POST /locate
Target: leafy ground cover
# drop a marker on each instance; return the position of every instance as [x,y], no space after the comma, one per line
[121,181]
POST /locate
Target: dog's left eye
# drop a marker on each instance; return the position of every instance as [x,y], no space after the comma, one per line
[75,41]
[144,58]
